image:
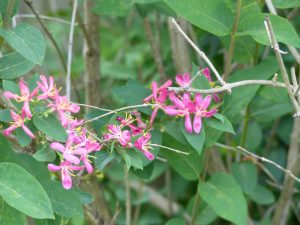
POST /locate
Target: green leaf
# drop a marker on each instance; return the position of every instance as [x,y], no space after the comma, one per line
[245,173]
[5,115]
[195,140]
[206,216]
[284,4]
[3,8]
[102,159]
[45,154]
[14,65]
[26,40]
[51,127]
[254,136]
[22,137]
[241,96]
[145,173]
[262,195]
[205,14]
[176,221]
[133,159]
[9,215]
[225,197]
[221,123]
[6,153]
[64,202]
[253,24]
[187,166]
[23,192]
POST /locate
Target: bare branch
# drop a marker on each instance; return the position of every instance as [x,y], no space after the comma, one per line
[70,47]
[201,53]
[43,17]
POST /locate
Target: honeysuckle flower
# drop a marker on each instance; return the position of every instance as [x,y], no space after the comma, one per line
[159,96]
[139,121]
[84,141]
[182,107]
[128,122]
[183,80]
[25,97]
[142,144]
[49,90]
[115,132]
[69,150]
[62,105]
[66,169]
[200,108]
[19,121]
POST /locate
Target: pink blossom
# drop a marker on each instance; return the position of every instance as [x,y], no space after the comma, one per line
[142,144]
[69,150]
[115,132]
[19,121]
[201,106]
[183,80]
[25,97]
[49,90]
[139,121]
[128,122]
[66,172]
[182,107]
[159,96]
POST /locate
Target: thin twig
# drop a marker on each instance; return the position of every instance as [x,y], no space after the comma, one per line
[201,53]
[117,110]
[93,107]
[43,17]
[70,48]
[288,172]
[292,49]
[275,46]
[128,204]
[230,86]
[171,149]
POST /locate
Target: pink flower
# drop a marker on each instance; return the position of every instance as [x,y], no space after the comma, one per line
[128,122]
[18,122]
[49,90]
[62,105]
[201,106]
[142,144]
[115,132]
[183,80]
[182,107]
[25,97]
[66,172]
[70,150]
[159,96]
[139,121]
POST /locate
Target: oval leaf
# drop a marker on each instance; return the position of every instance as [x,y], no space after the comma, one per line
[14,65]
[225,197]
[262,195]
[26,40]
[23,192]
[51,127]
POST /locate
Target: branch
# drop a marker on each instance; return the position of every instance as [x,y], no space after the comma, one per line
[229,86]
[43,17]
[277,51]
[128,204]
[70,47]
[201,53]
[292,49]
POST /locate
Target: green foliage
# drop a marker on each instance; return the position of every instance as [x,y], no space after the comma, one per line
[225,197]
[26,40]
[9,215]
[50,126]
[17,192]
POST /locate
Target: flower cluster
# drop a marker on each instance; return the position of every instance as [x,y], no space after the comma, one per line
[125,132]
[81,143]
[184,105]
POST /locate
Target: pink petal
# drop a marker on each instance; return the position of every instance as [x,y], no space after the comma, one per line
[206,73]
[167,84]
[188,124]
[149,155]
[53,168]
[153,115]
[27,131]
[9,130]
[57,146]
[71,158]
[206,102]
[197,125]
[179,80]
[15,116]
[26,110]
[170,110]
[186,78]
[66,179]
[10,95]
[24,88]
[88,166]
[198,100]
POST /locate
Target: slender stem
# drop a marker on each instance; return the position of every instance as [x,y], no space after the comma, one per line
[128,204]
[275,46]
[230,86]
[117,110]
[43,17]
[70,48]
[195,208]
[93,107]
[171,149]
[201,53]
[232,40]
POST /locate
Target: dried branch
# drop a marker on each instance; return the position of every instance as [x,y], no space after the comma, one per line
[70,48]
[277,52]
[44,17]
[201,53]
